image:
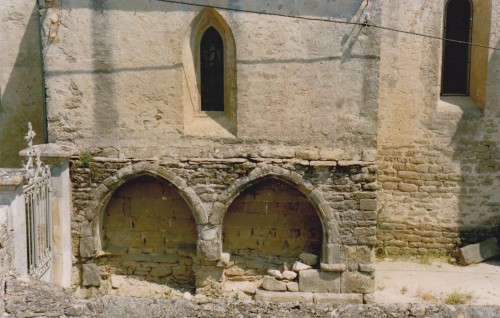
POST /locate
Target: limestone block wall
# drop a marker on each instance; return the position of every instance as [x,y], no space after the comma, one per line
[21,86]
[438,156]
[341,194]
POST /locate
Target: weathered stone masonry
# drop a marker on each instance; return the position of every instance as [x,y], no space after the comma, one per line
[433,200]
[342,193]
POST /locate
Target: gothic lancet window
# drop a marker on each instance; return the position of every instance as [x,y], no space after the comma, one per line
[212,71]
[456,56]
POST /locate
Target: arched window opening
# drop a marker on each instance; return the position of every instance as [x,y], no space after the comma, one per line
[212,71]
[456,56]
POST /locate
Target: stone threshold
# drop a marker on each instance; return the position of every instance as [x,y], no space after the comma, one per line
[310,297]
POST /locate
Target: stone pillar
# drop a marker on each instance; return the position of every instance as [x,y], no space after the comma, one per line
[14,219]
[57,156]
[209,242]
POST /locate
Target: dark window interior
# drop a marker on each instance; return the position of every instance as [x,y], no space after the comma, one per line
[212,71]
[456,56]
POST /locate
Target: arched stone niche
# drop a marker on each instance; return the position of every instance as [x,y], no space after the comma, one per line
[149,232]
[271,218]
[95,210]
[330,243]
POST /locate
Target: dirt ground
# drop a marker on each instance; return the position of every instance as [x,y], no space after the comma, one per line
[438,282]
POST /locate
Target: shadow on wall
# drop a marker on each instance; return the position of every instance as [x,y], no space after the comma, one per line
[22,98]
[477,149]
[105,112]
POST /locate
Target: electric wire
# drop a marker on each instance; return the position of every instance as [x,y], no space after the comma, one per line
[362,24]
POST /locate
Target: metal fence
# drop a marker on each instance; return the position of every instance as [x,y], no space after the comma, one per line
[38,211]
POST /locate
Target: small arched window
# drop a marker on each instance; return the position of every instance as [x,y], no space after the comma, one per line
[212,71]
[456,56]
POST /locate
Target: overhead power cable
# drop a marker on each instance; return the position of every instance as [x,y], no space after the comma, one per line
[362,24]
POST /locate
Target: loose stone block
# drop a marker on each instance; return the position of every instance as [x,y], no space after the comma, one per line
[334,298]
[355,282]
[234,271]
[117,281]
[275,273]
[289,275]
[292,286]
[298,266]
[312,280]
[246,287]
[479,252]
[264,295]
[270,283]
[308,258]
[91,275]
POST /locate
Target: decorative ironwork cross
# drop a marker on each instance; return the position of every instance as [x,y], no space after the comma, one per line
[34,168]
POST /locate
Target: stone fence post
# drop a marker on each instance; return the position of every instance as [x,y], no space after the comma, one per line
[13,243]
[57,156]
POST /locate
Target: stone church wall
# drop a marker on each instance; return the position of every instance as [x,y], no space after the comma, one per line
[131,76]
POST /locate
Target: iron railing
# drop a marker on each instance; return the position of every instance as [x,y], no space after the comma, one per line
[38,211]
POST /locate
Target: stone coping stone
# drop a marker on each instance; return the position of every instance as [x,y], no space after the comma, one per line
[338,298]
[333,267]
[264,295]
[347,163]
[11,177]
[52,151]
[324,163]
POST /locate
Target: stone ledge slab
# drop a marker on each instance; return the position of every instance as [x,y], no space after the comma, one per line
[334,298]
[264,295]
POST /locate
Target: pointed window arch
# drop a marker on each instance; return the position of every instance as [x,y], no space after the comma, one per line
[457,56]
[209,60]
[212,71]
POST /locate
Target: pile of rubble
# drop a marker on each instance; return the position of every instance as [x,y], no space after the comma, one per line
[286,280]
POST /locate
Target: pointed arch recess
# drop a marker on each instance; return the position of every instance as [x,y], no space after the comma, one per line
[331,234]
[103,193]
